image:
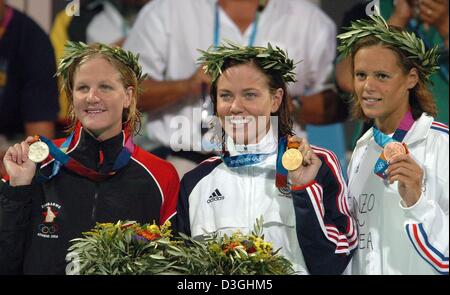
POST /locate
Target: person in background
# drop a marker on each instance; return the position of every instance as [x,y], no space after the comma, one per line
[398,174]
[167,35]
[28,89]
[304,210]
[96,174]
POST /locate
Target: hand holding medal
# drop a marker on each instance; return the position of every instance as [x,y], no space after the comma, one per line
[404,169]
[301,161]
[18,161]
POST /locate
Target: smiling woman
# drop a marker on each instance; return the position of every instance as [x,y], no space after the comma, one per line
[248,181]
[99,97]
[399,166]
[245,103]
[96,174]
[381,86]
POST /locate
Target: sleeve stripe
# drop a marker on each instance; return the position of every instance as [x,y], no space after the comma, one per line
[422,240]
[418,238]
[440,124]
[334,165]
[331,228]
[316,206]
[341,199]
[318,195]
[439,127]
[315,193]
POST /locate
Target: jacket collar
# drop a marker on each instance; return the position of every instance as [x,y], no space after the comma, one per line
[267,145]
[95,154]
[418,132]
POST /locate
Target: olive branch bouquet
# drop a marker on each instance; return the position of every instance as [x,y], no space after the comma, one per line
[127,248]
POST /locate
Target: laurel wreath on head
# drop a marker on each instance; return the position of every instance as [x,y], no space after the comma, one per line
[76,50]
[269,58]
[377,26]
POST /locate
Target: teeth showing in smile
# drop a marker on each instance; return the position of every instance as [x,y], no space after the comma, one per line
[372,99]
[240,121]
[94,111]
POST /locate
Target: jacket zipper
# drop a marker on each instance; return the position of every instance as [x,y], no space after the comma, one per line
[94,206]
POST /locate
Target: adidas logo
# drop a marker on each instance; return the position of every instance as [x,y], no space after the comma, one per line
[215,196]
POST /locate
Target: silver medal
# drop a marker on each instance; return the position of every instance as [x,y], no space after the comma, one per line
[38,152]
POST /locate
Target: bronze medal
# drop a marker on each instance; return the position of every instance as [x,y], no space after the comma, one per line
[38,152]
[392,149]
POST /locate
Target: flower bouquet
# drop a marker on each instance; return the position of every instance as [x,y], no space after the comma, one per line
[235,254]
[130,248]
[122,248]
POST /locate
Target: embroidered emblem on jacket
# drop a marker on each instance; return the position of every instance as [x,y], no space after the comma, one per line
[49,228]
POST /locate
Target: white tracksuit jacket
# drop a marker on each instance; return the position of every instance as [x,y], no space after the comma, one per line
[312,224]
[394,239]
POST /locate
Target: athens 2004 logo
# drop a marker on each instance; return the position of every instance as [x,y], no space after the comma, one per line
[49,227]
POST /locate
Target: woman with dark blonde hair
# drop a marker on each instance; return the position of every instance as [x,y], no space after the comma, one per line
[398,174]
[56,190]
[264,169]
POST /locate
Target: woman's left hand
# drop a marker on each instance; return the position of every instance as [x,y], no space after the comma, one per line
[409,174]
[307,172]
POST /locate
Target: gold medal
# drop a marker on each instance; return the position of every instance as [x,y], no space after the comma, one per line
[392,149]
[292,159]
[38,151]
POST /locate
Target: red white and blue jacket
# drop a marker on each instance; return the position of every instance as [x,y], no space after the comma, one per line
[37,221]
[311,224]
[394,239]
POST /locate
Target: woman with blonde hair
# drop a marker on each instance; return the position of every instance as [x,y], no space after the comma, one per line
[96,174]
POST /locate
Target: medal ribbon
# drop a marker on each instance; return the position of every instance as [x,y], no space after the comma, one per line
[252,159]
[382,139]
[252,38]
[63,159]
[243,160]
[281,176]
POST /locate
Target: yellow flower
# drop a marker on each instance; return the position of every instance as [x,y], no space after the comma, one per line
[91,233]
[266,247]
[257,242]
[154,229]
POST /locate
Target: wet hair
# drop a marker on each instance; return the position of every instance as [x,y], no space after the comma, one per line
[131,115]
